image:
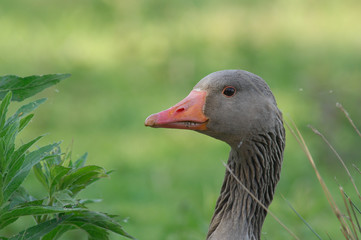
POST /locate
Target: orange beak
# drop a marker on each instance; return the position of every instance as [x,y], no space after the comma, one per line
[187,114]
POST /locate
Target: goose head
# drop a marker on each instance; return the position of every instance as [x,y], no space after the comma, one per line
[230,105]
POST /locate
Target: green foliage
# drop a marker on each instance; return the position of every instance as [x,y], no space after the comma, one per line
[23,88]
[60,210]
[15,165]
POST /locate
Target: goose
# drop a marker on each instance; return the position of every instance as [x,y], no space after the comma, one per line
[238,108]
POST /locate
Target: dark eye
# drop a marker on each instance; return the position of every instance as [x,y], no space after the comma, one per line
[229,91]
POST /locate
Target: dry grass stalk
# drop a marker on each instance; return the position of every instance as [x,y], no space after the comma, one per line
[359,171]
[348,117]
[296,133]
[339,158]
[354,214]
[302,219]
[353,234]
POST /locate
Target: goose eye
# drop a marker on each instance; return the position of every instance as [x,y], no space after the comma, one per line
[229,91]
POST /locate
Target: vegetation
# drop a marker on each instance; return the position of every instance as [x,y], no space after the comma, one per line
[60,210]
[132,58]
[349,217]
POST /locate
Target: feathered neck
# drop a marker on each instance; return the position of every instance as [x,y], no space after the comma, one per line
[257,164]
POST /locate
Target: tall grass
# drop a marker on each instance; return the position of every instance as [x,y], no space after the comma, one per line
[348,218]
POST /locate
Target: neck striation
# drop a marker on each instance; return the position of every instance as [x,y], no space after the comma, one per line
[257,164]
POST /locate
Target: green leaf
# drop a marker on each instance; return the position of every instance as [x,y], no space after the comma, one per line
[87,201]
[97,220]
[17,158]
[81,161]
[8,216]
[21,196]
[82,177]
[95,224]
[23,88]
[4,108]
[36,156]
[58,232]
[66,160]
[25,110]
[56,173]
[40,173]
[17,175]
[7,144]
[94,232]
[1,192]
[63,198]
[25,121]
[37,231]
[54,159]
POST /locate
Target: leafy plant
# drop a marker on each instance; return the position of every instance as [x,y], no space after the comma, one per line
[62,178]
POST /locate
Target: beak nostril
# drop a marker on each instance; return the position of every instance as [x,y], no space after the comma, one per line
[180,110]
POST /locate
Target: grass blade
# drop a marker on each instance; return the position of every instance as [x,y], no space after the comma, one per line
[353,204]
[348,117]
[359,171]
[302,219]
[338,156]
[354,214]
[354,236]
[331,201]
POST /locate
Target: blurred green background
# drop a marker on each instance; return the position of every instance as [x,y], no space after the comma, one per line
[129,59]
